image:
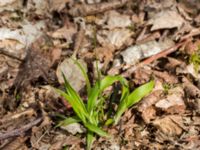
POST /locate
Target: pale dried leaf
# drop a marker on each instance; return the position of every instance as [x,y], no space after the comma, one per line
[166,19]
[58,5]
[149,114]
[10,5]
[65,33]
[134,53]
[116,37]
[174,102]
[14,41]
[93,1]
[38,7]
[167,126]
[62,140]
[117,20]
[72,73]
[73,128]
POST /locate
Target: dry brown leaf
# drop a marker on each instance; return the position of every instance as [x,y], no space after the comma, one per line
[166,19]
[116,37]
[117,20]
[167,125]
[55,55]
[149,101]
[10,5]
[105,54]
[190,89]
[190,6]
[192,47]
[92,9]
[61,140]
[16,144]
[174,102]
[142,75]
[65,33]
[166,77]
[146,106]
[149,114]
[58,5]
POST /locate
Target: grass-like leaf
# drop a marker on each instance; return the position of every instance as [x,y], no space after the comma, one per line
[134,97]
[91,114]
[90,139]
[84,74]
[96,130]
[68,121]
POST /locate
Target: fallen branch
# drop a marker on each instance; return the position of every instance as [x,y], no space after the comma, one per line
[20,131]
[7,53]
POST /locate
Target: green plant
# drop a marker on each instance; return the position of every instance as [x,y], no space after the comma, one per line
[195,60]
[90,113]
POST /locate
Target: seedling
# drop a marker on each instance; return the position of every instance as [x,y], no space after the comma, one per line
[89,114]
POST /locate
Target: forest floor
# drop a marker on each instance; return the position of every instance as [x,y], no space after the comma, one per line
[140,40]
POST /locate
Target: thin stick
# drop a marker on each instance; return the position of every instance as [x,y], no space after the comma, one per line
[6,53]
[20,131]
[162,54]
[153,58]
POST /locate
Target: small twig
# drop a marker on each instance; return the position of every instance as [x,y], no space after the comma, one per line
[15,144]
[6,53]
[153,58]
[20,131]
[162,54]
[28,112]
[194,32]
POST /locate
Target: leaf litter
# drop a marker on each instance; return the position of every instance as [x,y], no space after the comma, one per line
[140,40]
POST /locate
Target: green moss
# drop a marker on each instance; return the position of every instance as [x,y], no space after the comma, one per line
[195,60]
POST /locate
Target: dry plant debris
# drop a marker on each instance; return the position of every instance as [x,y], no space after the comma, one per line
[140,40]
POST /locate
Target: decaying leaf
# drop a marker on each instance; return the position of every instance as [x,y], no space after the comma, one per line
[149,114]
[57,5]
[17,143]
[166,77]
[166,19]
[190,89]
[92,9]
[117,20]
[167,125]
[15,41]
[174,102]
[73,128]
[61,140]
[38,7]
[66,33]
[116,37]
[10,5]
[105,54]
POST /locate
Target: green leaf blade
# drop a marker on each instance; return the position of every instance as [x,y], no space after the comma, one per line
[109,80]
[139,93]
[68,121]
[96,130]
